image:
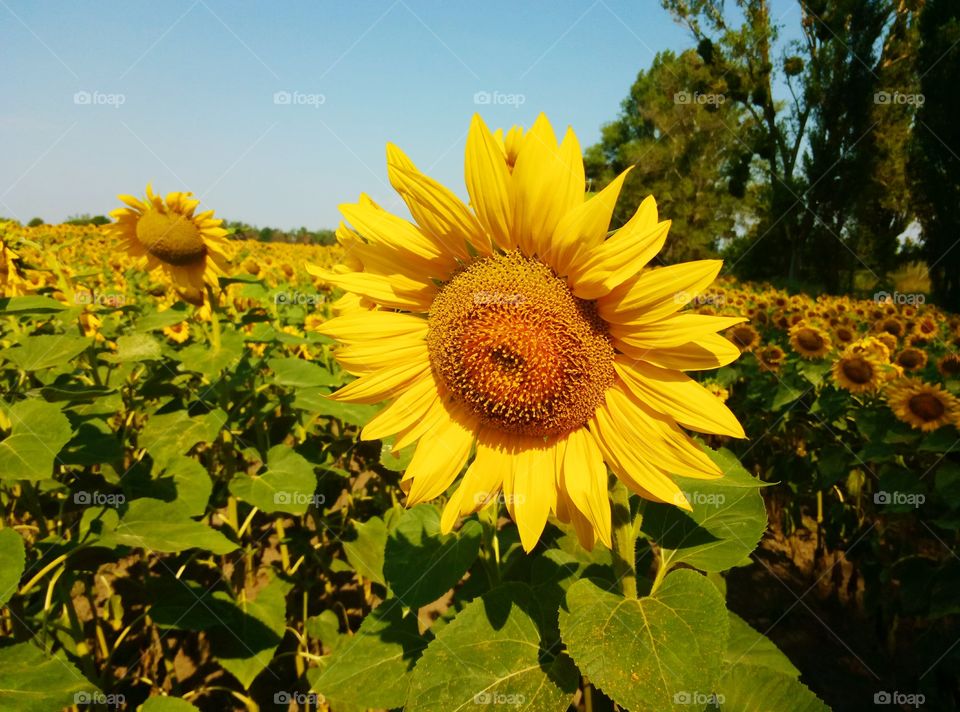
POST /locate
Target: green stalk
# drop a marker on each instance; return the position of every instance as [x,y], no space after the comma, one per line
[624,541]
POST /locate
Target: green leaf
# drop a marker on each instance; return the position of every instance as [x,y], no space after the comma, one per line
[325,627]
[297,373]
[372,669]
[726,523]
[643,652]
[165,527]
[32,681]
[166,704]
[13,557]
[316,402]
[814,371]
[492,653]
[31,304]
[288,485]
[420,564]
[749,647]
[134,347]
[38,352]
[784,395]
[365,552]
[245,649]
[398,462]
[159,320]
[39,431]
[73,392]
[173,434]
[749,688]
[202,358]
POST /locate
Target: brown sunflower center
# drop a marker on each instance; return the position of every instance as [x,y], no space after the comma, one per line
[743,336]
[950,364]
[809,339]
[510,340]
[858,370]
[170,237]
[910,358]
[927,407]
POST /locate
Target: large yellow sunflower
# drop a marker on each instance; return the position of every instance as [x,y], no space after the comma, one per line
[924,406]
[190,248]
[516,335]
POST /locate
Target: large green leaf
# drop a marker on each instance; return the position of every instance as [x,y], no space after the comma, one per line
[13,557]
[38,431]
[32,681]
[30,304]
[725,526]
[493,652]
[647,653]
[202,358]
[158,320]
[366,552]
[297,373]
[170,435]
[165,527]
[134,347]
[372,669]
[316,402]
[288,485]
[749,688]
[749,647]
[38,352]
[421,565]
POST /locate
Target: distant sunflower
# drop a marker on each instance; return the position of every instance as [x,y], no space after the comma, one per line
[771,357]
[890,325]
[11,280]
[949,366]
[924,406]
[912,359]
[858,372]
[809,341]
[516,332]
[844,334]
[190,248]
[743,336]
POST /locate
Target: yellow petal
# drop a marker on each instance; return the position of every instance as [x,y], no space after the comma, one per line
[439,458]
[360,327]
[372,356]
[394,291]
[382,385]
[529,487]
[409,407]
[657,293]
[585,480]
[672,330]
[481,482]
[709,352]
[488,184]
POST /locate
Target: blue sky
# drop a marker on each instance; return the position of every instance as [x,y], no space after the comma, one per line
[100,98]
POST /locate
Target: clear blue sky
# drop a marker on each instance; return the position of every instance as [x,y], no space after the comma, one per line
[197,81]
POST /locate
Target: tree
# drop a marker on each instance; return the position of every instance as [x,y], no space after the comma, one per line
[934,162]
[676,129]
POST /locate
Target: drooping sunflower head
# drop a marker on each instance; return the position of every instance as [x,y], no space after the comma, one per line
[516,337]
[949,365]
[923,406]
[858,371]
[744,337]
[168,234]
[809,341]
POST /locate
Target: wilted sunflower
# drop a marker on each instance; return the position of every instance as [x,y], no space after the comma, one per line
[516,333]
[924,406]
[809,341]
[190,248]
[858,371]
[912,359]
[743,336]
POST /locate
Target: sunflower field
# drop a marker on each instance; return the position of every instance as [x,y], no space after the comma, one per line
[494,455]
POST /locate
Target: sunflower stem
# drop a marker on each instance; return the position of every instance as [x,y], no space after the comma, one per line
[214,318]
[624,541]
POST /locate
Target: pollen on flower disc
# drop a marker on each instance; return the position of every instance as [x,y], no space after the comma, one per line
[509,339]
[171,237]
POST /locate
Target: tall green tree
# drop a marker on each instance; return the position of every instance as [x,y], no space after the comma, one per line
[935,155]
[678,131]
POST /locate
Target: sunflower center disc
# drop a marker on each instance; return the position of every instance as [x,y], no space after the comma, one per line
[171,237]
[809,339]
[858,370]
[926,407]
[510,340]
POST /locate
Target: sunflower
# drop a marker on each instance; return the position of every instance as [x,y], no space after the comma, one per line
[912,359]
[858,371]
[844,334]
[177,333]
[809,341]
[11,281]
[743,336]
[890,325]
[190,248]
[771,357]
[949,366]
[514,334]
[924,406]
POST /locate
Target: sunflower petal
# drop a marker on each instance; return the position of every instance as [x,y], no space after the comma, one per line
[488,184]
[657,293]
